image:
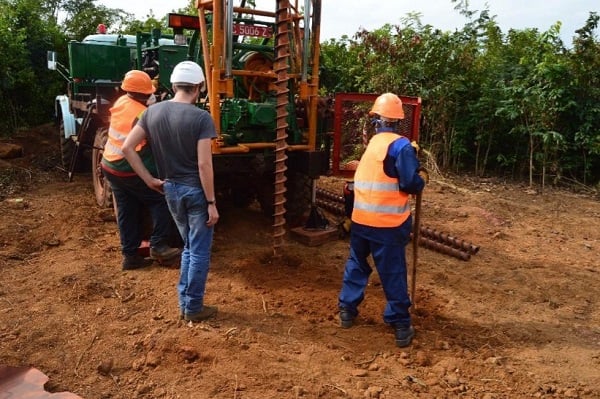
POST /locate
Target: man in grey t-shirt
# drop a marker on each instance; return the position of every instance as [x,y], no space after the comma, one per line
[179,135]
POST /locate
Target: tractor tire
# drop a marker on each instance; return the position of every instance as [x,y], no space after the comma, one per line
[102,190]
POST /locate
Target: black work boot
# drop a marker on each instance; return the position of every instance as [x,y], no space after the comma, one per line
[346,318]
[132,262]
[164,254]
[404,335]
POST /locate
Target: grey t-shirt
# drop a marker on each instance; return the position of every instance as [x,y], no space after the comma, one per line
[173,130]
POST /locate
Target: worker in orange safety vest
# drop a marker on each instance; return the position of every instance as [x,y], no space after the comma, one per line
[387,174]
[129,191]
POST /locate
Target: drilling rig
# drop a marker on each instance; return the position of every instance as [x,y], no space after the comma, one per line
[262,69]
[262,75]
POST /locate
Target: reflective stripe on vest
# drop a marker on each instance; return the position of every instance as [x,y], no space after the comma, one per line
[122,114]
[378,202]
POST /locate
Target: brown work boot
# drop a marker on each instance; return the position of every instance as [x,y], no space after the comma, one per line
[164,254]
[206,313]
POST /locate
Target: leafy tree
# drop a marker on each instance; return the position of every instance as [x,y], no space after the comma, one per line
[519,103]
[83,16]
[339,67]
[535,98]
[583,112]
[150,23]
[27,30]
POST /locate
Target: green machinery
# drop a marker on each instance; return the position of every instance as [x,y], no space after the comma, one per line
[262,69]
[262,91]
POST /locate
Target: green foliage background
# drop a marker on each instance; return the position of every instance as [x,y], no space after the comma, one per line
[30,28]
[521,103]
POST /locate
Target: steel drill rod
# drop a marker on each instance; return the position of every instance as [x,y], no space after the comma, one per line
[325,194]
[450,240]
[280,66]
[443,248]
[331,206]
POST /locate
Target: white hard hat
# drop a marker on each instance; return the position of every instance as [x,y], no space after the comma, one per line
[187,72]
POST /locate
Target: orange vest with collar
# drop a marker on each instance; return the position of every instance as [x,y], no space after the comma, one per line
[378,202]
[122,114]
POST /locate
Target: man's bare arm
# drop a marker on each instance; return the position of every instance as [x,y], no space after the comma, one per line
[205,169]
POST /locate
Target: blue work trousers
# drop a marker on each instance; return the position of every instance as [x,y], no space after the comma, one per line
[190,212]
[387,247]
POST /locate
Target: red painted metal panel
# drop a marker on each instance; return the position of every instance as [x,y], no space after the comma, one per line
[347,106]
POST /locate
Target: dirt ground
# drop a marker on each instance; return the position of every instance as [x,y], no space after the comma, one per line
[520,319]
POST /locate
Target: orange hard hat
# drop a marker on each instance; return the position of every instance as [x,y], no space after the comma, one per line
[138,82]
[389,106]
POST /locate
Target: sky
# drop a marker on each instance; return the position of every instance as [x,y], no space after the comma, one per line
[346,17]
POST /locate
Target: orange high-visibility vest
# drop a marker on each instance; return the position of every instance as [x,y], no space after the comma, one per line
[122,115]
[378,202]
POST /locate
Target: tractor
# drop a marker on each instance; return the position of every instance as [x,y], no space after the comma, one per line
[96,67]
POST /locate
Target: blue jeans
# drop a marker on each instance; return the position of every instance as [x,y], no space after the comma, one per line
[387,247]
[132,196]
[190,211]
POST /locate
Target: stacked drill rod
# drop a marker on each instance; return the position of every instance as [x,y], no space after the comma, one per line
[429,238]
[330,201]
[460,248]
[433,239]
